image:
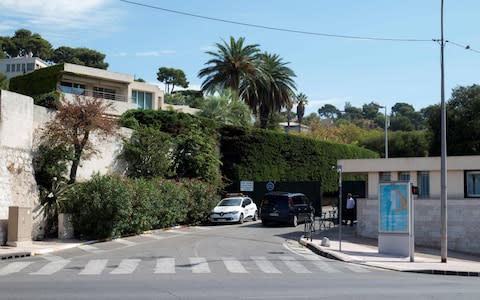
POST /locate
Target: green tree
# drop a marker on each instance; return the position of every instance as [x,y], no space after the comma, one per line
[404,117]
[73,124]
[172,77]
[463,124]
[80,56]
[148,153]
[271,90]
[230,65]
[329,111]
[400,143]
[23,42]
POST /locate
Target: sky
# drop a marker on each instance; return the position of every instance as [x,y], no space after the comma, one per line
[341,51]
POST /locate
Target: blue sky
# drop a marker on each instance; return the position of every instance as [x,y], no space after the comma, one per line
[138,40]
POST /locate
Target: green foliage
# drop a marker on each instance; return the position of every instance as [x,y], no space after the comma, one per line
[265,155]
[172,77]
[49,100]
[80,56]
[40,82]
[23,42]
[147,153]
[400,143]
[202,198]
[4,82]
[101,207]
[226,109]
[463,131]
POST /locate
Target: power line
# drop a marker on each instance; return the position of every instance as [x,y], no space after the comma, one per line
[277,28]
[466,47]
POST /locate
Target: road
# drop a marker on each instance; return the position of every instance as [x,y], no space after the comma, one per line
[245,261]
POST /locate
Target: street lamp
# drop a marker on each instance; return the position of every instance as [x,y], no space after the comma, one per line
[339,170]
[386,130]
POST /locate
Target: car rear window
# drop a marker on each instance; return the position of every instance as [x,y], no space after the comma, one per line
[277,201]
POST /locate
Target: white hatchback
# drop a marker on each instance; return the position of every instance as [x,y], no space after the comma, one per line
[234,210]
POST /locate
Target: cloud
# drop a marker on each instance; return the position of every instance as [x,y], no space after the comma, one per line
[155,53]
[59,14]
[314,104]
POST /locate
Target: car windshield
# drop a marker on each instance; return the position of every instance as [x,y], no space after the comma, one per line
[230,202]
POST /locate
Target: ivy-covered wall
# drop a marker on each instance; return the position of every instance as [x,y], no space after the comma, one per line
[39,82]
[262,155]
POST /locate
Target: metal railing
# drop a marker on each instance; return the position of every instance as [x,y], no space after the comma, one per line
[92,93]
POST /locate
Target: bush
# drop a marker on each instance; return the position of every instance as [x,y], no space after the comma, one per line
[144,195]
[202,197]
[101,207]
[171,204]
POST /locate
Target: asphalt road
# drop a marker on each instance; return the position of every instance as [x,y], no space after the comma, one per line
[246,261]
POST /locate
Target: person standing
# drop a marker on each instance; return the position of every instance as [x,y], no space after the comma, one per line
[350,213]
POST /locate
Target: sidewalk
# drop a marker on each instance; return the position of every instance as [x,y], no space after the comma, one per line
[364,251]
[38,248]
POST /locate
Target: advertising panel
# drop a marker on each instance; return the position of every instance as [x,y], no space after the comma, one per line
[394,207]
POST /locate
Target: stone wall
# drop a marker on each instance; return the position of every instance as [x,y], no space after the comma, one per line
[463,223]
[21,123]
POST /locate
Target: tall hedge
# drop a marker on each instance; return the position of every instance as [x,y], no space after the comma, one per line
[262,155]
[39,82]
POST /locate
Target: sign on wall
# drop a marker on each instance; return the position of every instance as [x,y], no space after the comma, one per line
[394,207]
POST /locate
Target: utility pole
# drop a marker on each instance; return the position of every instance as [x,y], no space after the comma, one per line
[443,164]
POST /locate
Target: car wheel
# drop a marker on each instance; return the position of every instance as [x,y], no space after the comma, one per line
[255,216]
[294,221]
[240,220]
[264,223]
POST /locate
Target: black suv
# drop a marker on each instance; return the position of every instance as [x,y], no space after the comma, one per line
[284,207]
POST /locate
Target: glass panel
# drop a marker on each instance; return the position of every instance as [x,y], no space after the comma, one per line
[423,184]
[148,100]
[8,67]
[404,176]
[384,176]
[473,183]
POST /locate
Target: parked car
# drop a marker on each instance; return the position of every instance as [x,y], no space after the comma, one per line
[234,209]
[285,207]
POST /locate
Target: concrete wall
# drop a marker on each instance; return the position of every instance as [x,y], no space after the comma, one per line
[21,123]
[463,223]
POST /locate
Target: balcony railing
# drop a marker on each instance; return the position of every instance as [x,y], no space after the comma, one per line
[92,93]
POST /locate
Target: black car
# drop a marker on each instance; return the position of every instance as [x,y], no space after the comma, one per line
[285,207]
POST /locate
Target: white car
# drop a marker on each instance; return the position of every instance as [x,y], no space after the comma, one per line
[234,209]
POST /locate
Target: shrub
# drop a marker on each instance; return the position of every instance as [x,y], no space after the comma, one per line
[202,197]
[101,207]
[170,206]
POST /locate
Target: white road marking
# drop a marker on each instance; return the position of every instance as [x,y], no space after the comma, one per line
[324,266]
[199,265]
[14,267]
[233,265]
[125,242]
[94,267]
[154,236]
[294,265]
[126,266]
[90,248]
[165,265]
[52,267]
[265,265]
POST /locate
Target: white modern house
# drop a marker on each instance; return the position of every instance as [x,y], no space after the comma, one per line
[21,65]
[463,197]
[75,80]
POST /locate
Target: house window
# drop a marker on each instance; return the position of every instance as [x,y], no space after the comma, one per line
[472,179]
[423,179]
[404,176]
[18,67]
[142,99]
[8,68]
[104,93]
[385,176]
[30,66]
[72,88]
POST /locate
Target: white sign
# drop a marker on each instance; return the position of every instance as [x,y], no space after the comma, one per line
[246,186]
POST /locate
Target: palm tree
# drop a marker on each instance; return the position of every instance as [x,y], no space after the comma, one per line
[231,64]
[270,91]
[301,102]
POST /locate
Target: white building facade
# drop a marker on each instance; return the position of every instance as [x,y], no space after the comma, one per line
[20,65]
[463,197]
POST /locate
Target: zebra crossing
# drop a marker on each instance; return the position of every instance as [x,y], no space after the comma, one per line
[171,265]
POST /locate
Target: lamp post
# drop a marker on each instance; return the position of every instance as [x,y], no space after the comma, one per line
[339,170]
[386,130]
